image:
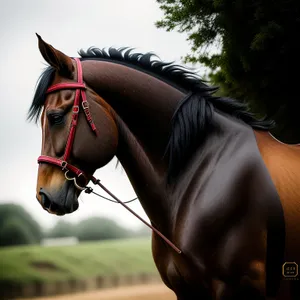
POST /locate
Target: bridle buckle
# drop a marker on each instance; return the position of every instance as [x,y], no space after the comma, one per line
[64,165]
[85,104]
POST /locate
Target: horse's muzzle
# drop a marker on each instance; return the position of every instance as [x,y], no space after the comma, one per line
[60,202]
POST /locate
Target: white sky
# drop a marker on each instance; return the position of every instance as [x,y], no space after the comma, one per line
[68,25]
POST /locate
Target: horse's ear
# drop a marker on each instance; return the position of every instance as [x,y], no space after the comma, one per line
[55,58]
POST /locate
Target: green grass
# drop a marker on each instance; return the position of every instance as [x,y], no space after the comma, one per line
[82,261]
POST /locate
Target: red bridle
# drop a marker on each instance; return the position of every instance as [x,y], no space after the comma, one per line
[79,101]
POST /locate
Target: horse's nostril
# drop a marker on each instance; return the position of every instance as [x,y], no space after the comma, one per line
[45,201]
[49,205]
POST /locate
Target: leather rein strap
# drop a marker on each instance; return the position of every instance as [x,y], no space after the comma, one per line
[81,101]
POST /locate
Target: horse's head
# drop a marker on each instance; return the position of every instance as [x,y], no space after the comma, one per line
[64,158]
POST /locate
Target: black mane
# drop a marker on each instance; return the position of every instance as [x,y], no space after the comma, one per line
[193,115]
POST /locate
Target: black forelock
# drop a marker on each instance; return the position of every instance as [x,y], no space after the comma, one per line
[40,93]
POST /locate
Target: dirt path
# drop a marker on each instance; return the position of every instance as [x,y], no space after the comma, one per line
[138,292]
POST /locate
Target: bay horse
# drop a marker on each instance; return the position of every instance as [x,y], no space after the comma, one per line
[208,174]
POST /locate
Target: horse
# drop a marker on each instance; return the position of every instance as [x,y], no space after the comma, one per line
[207,172]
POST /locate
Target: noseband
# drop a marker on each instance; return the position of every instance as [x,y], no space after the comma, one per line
[79,101]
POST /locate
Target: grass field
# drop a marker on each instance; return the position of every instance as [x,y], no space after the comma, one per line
[87,260]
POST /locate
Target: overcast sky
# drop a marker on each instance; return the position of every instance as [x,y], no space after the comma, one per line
[68,25]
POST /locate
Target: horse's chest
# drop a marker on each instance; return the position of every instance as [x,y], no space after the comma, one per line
[165,262]
[175,272]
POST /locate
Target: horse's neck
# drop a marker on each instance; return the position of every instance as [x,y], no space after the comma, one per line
[144,103]
[149,185]
[143,106]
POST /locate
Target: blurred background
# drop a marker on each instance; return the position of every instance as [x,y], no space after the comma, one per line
[248,48]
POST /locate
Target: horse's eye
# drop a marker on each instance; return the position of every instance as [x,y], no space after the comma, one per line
[55,118]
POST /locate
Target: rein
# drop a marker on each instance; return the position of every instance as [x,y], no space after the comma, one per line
[81,101]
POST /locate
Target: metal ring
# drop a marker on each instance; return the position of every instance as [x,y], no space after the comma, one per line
[75,182]
[68,178]
[78,186]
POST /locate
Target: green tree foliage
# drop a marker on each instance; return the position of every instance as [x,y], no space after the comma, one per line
[62,229]
[17,227]
[143,231]
[15,233]
[98,228]
[95,228]
[258,51]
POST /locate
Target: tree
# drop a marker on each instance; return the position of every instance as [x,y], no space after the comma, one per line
[258,51]
[13,232]
[97,228]
[143,231]
[62,229]
[17,226]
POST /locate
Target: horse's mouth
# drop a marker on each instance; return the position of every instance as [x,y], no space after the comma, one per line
[61,202]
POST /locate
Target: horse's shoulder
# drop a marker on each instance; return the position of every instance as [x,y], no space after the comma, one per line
[236,192]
